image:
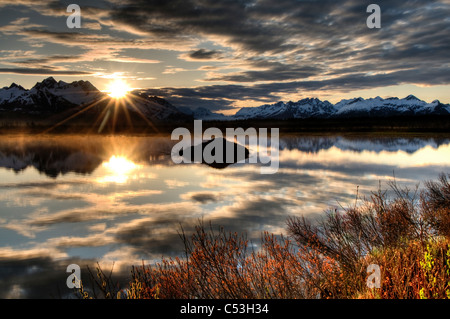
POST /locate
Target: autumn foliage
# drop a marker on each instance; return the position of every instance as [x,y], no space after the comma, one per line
[406,233]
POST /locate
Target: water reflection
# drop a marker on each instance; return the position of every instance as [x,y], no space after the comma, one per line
[55,156]
[81,199]
[120,168]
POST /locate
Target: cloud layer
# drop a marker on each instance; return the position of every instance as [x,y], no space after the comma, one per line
[239,50]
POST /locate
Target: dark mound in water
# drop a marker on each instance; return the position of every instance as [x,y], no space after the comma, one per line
[217,153]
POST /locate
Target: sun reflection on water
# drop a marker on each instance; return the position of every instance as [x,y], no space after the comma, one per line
[118,170]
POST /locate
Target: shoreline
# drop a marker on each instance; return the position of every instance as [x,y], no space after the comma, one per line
[348,126]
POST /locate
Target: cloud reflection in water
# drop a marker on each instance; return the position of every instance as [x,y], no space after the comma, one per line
[122,199]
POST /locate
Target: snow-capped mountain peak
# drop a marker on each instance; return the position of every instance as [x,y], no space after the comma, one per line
[49,83]
[410,105]
[50,96]
[47,95]
[17,86]
[11,93]
[78,92]
[56,99]
[305,108]
[411,98]
[315,108]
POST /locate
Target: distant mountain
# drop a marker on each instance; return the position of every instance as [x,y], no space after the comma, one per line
[153,107]
[55,101]
[410,105]
[202,113]
[305,108]
[315,108]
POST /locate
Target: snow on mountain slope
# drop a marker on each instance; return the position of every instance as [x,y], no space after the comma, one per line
[305,108]
[410,105]
[12,93]
[315,108]
[79,92]
[50,96]
[312,108]
[47,95]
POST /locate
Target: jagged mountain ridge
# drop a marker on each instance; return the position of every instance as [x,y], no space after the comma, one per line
[410,105]
[358,107]
[305,108]
[50,97]
[47,96]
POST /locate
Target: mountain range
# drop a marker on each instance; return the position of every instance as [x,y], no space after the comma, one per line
[315,108]
[55,101]
[49,98]
[47,95]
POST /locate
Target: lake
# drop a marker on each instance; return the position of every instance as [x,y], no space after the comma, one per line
[122,200]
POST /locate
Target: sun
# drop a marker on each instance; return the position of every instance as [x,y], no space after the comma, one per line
[118,89]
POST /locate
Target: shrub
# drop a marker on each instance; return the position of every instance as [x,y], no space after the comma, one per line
[220,265]
[407,236]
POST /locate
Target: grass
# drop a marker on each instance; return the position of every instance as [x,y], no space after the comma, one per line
[407,235]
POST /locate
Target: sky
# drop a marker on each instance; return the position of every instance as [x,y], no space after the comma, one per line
[228,54]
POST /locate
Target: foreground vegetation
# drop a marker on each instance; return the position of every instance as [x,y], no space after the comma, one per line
[406,234]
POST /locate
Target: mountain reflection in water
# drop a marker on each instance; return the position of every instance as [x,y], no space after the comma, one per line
[55,156]
[82,199]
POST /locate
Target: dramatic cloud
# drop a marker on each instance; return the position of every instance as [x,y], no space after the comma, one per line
[203,54]
[222,97]
[44,72]
[241,51]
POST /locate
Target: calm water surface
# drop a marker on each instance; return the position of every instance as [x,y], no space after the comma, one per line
[78,199]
